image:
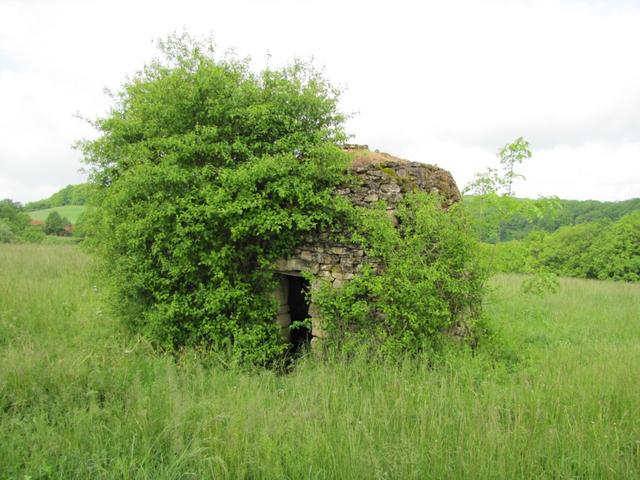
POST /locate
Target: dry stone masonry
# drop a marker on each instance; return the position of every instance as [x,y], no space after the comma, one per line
[376,176]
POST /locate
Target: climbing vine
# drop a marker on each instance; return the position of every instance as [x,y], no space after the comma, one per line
[423,283]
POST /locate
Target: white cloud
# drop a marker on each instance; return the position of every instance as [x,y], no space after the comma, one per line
[441,82]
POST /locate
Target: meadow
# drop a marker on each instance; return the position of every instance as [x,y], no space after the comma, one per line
[71,212]
[554,394]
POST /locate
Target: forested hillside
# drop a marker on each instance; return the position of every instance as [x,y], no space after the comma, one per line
[516,222]
[603,249]
[69,195]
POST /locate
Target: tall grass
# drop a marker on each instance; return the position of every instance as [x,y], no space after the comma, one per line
[82,398]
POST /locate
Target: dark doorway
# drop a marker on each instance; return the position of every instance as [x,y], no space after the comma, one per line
[298,289]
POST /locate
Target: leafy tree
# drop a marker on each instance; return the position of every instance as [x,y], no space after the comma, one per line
[500,182]
[54,224]
[67,226]
[494,197]
[616,252]
[6,233]
[207,173]
[15,224]
[13,215]
[568,251]
[80,227]
[493,205]
[510,155]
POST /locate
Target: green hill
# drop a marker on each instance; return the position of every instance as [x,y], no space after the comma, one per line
[72,212]
[552,215]
[69,195]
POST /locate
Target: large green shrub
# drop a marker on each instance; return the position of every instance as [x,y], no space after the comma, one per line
[513,256]
[616,254]
[430,281]
[6,233]
[207,173]
[13,215]
[568,251]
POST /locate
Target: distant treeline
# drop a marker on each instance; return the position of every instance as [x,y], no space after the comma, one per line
[602,249]
[69,195]
[552,214]
[15,224]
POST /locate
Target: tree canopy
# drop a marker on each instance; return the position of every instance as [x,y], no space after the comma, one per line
[15,224]
[207,173]
[602,249]
[55,224]
[69,195]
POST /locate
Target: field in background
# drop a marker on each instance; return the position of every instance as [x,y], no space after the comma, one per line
[72,212]
[80,397]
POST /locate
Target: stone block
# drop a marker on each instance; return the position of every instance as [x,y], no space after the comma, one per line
[336,271]
[390,188]
[327,258]
[316,328]
[347,262]
[293,264]
[281,291]
[307,255]
[284,319]
[314,310]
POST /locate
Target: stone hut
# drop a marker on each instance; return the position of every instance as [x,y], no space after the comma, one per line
[378,176]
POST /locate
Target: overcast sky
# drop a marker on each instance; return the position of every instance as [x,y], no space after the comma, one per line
[442,82]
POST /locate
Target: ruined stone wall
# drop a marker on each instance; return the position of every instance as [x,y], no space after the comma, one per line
[375,177]
[379,176]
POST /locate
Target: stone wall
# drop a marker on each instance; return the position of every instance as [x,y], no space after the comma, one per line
[375,177]
[379,176]
[326,259]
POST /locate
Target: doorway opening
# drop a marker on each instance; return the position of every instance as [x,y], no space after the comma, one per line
[297,299]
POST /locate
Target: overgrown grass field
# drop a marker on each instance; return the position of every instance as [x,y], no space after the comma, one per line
[81,398]
[72,212]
